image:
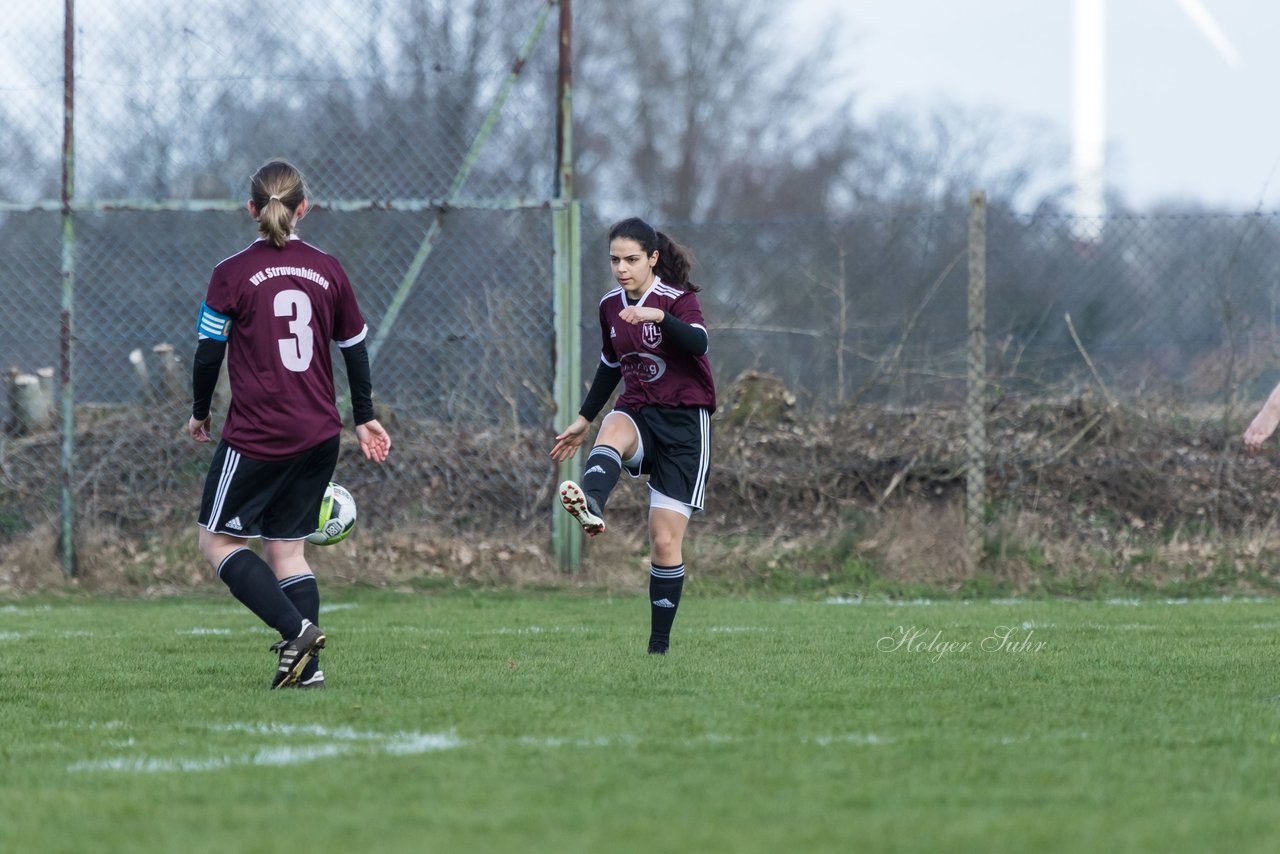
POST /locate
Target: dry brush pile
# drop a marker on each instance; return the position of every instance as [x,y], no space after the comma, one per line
[1074,486]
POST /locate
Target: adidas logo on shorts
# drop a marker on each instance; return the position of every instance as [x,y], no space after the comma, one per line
[234,524]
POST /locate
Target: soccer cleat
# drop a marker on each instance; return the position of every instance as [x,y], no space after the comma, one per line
[657,647]
[582,507]
[294,654]
[315,680]
[312,676]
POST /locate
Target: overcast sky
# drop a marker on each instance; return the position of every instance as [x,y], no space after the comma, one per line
[1189,115]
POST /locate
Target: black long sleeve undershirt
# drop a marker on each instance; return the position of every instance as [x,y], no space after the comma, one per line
[208,363]
[204,375]
[692,339]
[361,381]
[605,381]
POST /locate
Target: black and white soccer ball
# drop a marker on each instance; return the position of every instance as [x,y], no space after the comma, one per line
[337,516]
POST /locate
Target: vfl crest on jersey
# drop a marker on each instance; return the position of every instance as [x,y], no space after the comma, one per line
[650,334]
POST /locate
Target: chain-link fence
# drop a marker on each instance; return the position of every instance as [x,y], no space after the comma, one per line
[873,309]
[428,134]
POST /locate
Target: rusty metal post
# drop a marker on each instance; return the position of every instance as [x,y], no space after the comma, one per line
[975,410]
[67,348]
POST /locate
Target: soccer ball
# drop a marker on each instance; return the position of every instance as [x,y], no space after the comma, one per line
[337,516]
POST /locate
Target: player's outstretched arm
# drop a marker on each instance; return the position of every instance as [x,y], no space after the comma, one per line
[375,442]
[568,442]
[1264,423]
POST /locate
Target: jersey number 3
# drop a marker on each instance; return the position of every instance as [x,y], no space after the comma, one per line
[296,352]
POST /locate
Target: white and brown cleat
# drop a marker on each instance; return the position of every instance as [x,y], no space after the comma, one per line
[581,507]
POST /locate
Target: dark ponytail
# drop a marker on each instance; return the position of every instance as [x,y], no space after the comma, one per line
[674,261]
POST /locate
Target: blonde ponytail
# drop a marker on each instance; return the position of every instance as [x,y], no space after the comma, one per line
[277,189]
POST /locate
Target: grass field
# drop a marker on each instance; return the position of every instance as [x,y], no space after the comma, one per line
[505,722]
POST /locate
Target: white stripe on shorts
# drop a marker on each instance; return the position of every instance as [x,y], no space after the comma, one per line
[224,485]
[704,459]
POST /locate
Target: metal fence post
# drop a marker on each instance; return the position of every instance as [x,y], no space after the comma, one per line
[975,408]
[566,535]
[67,324]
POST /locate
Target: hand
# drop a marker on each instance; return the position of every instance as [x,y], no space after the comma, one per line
[1259,431]
[568,442]
[374,440]
[198,429]
[635,314]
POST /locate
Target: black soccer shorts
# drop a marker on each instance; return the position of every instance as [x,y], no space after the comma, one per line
[272,499]
[675,450]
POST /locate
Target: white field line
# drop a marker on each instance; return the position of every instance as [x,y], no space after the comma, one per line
[848,738]
[596,741]
[530,630]
[1118,601]
[270,756]
[1123,627]
[1059,737]
[695,741]
[24,609]
[345,741]
[324,608]
[340,741]
[1219,600]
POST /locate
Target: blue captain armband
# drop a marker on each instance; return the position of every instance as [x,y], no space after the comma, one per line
[210,324]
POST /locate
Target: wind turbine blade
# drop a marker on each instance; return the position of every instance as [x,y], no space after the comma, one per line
[1089,113]
[1213,34]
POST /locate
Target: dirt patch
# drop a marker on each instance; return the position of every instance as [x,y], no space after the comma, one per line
[920,541]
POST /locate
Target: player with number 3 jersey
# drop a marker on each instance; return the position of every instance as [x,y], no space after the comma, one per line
[271,311]
[283,306]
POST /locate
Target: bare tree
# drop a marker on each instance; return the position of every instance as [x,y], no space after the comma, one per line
[21,175]
[916,161]
[692,109]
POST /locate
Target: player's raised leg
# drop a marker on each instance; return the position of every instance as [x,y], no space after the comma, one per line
[618,440]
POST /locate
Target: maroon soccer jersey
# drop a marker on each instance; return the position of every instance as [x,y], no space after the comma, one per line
[655,373]
[284,306]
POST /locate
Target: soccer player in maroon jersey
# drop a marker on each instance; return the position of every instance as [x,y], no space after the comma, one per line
[271,310]
[655,341]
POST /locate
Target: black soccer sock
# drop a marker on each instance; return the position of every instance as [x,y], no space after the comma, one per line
[304,593]
[254,584]
[603,467]
[665,585]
